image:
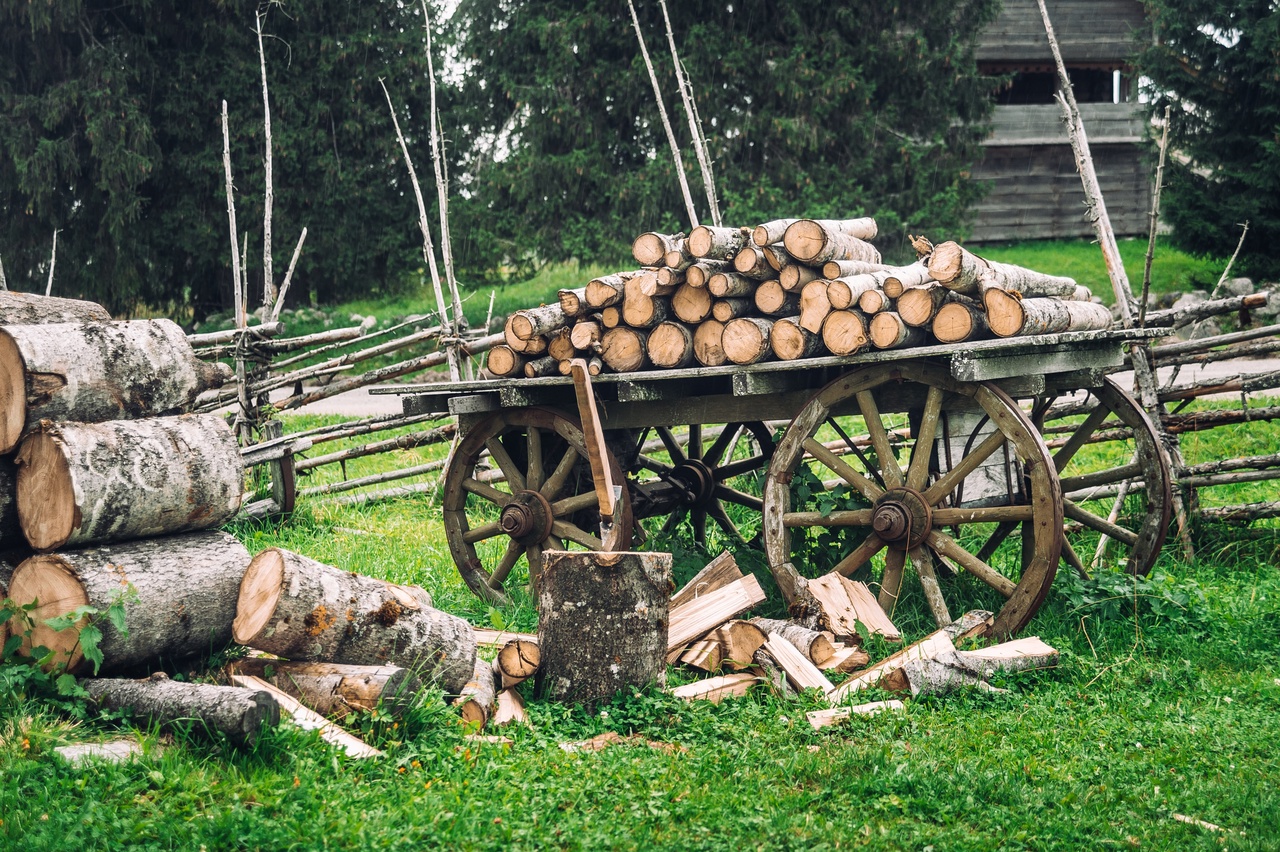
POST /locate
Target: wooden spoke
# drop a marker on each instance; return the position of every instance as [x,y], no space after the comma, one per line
[724,492]
[1070,557]
[488,492]
[534,479]
[482,532]
[891,580]
[569,505]
[576,534]
[996,539]
[555,483]
[948,547]
[923,563]
[840,467]
[698,517]
[726,439]
[880,440]
[848,518]
[946,517]
[732,469]
[673,521]
[1110,476]
[951,480]
[669,441]
[500,456]
[870,546]
[533,553]
[1079,437]
[650,463]
[1102,525]
[717,514]
[693,447]
[918,470]
[509,559]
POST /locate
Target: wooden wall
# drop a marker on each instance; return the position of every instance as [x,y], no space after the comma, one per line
[1089,32]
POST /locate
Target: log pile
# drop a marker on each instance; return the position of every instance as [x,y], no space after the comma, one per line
[786,289]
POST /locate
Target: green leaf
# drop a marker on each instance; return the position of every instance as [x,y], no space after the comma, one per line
[90,636]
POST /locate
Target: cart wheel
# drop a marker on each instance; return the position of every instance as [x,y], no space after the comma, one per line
[547,500]
[1115,479]
[698,472]
[836,490]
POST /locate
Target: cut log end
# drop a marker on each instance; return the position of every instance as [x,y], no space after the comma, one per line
[49,581]
[259,594]
[13,394]
[45,495]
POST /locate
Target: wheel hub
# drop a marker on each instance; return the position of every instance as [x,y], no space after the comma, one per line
[902,518]
[698,480]
[527,517]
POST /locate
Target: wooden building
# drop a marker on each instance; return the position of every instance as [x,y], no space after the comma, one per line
[1035,191]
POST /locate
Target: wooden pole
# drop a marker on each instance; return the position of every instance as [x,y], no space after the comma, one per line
[4,283]
[268,201]
[53,260]
[1151,220]
[288,277]
[242,425]
[695,123]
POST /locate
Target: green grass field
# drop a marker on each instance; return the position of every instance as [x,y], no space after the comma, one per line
[1165,703]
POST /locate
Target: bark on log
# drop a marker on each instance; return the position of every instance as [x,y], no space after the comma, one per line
[670,346]
[843,293]
[873,301]
[957,322]
[700,273]
[573,302]
[623,350]
[751,262]
[717,243]
[814,305]
[746,340]
[819,240]
[900,278]
[724,310]
[301,609]
[692,304]
[679,257]
[332,689]
[844,268]
[95,372]
[888,331]
[738,641]
[919,305]
[650,248]
[309,720]
[608,289]
[724,285]
[31,309]
[595,366]
[795,276]
[517,661]
[539,367]
[844,332]
[602,623]
[790,342]
[776,256]
[239,714]
[479,696]
[560,346]
[1010,316]
[814,645]
[958,269]
[768,233]
[532,347]
[541,320]
[772,300]
[1217,307]
[81,483]
[504,361]
[651,284]
[645,311]
[673,278]
[708,344]
[180,601]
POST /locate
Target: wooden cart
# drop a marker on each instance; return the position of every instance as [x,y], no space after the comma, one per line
[941,473]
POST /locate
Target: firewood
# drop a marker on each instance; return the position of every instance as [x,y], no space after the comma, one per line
[751,262]
[607,289]
[899,278]
[700,273]
[1018,655]
[498,638]
[331,689]
[595,365]
[716,689]
[738,642]
[708,344]
[776,256]
[692,304]
[844,268]
[673,278]
[716,574]
[539,367]
[181,603]
[845,658]
[703,614]
[533,346]
[789,341]
[957,269]
[302,609]
[1010,316]
[843,293]
[845,602]
[622,350]
[919,305]
[771,673]
[820,719]
[795,276]
[308,719]
[650,248]
[573,302]
[517,661]
[560,345]
[543,320]
[844,332]
[723,310]
[768,233]
[238,713]
[670,345]
[957,322]
[816,646]
[479,696]
[645,311]
[651,284]
[873,301]
[31,309]
[586,334]
[724,285]
[772,300]
[504,361]
[746,340]
[888,331]
[602,623]
[95,372]
[814,305]
[611,317]
[818,240]
[703,654]
[509,710]
[801,672]
[679,257]
[84,483]
[717,243]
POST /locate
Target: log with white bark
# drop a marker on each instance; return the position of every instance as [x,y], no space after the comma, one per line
[541,320]
[586,334]
[504,361]
[32,309]
[668,277]
[738,642]
[532,346]
[724,285]
[82,483]
[795,276]
[768,233]
[771,673]
[956,268]
[746,340]
[815,645]
[843,293]
[179,595]
[94,372]
[723,310]
[611,317]
[560,345]
[608,289]
[845,268]
[238,713]
[899,278]
[517,661]
[888,331]
[819,240]
[692,304]
[651,283]
[679,257]
[814,305]
[708,344]
[873,301]
[645,311]
[670,346]
[623,350]
[1009,316]
[650,248]
[844,332]
[602,623]
[302,609]
[333,689]
[479,695]
[772,300]
[918,305]
[698,274]
[751,262]
[717,243]
[544,366]
[573,302]
[776,256]
[957,322]
[791,342]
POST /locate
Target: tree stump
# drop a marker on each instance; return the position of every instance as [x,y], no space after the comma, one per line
[602,623]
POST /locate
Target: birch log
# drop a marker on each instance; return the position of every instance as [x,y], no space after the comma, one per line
[692,304]
[814,305]
[31,309]
[180,597]
[700,273]
[332,689]
[1010,316]
[918,305]
[93,372]
[479,695]
[572,302]
[670,346]
[539,367]
[957,322]
[900,278]
[873,301]
[724,310]
[717,243]
[302,609]
[82,483]
[768,233]
[236,712]
[746,340]
[708,344]
[844,332]
[724,285]
[560,345]
[790,342]
[772,300]
[504,361]
[845,268]
[795,276]
[650,248]
[544,319]
[843,293]
[751,262]
[816,241]
[531,346]
[623,350]
[888,331]
[586,334]
[956,268]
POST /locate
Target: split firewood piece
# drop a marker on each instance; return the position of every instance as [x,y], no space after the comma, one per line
[844,332]
[650,248]
[723,310]
[238,713]
[888,331]
[738,642]
[309,720]
[816,646]
[670,345]
[85,483]
[845,658]
[751,262]
[679,257]
[801,671]
[703,654]
[573,302]
[509,710]
[1010,316]
[919,305]
[767,668]
[725,285]
[1018,655]
[95,372]
[820,719]
[608,289]
[498,638]
[940,671]
[623,350]
[818,240]
[532,346]
[703,614]
[794,276]
[772,300]
[332,689]
[708,344]
[542,320]
[31,309]
[958,269]
[791,342]
[504,361]
[643,311]
[516,662]
[896,280]
[717,243]
[873,301]
[479,695]
[716,689]
[302,609]
[845,602]
[843,293]
[539,367]
[716,574]
[560,346]
[957,322]
[768,233]
[692,304]
[179,597]
[814,305]
[833,269]
[746,340]
[700,273]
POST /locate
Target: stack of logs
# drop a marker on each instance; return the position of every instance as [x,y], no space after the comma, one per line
[786,289]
